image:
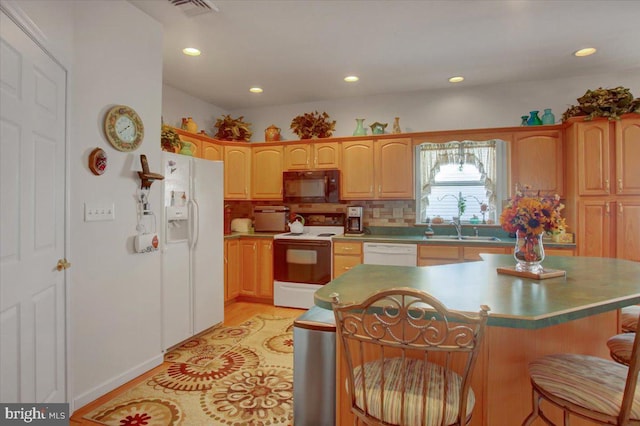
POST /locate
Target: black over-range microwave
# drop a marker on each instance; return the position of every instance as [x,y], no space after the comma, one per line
[318,186]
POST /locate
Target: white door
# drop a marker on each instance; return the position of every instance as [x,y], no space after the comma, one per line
[32,217]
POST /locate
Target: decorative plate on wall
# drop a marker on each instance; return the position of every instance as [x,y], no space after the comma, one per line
[98,161]
[123,128]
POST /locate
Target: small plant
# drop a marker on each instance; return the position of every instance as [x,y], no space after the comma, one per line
[230,129]
[313,125]
[611,103]
[169,139]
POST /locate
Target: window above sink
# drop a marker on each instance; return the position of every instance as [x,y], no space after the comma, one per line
[467,177]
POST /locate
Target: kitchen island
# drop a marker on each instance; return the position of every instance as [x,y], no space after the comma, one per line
[529,318]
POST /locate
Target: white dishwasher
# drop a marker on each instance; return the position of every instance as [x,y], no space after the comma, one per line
[390,254]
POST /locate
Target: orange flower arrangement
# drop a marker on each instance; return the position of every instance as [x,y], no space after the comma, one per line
[532,215]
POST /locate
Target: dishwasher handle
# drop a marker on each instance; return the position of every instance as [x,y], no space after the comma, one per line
[390,249]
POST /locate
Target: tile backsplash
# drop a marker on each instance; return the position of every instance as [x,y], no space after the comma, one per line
[376,212]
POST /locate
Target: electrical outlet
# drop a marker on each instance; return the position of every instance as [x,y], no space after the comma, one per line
[97,212]
[397,212]
[376,213]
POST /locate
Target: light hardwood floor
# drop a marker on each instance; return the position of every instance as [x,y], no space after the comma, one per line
[234,314]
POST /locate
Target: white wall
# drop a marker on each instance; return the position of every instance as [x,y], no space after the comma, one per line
[177,104]
[457,107]
[115,305]
[113,53]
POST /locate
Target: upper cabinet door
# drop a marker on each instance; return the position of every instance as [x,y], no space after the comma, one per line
[211,151]
[394,168]
[237,172]
[266,176]
[593,153]
[326,155]
[536,160]
[297,157]
[627,156]
[357,180]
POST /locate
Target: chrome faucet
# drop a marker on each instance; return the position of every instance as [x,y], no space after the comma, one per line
[456,222]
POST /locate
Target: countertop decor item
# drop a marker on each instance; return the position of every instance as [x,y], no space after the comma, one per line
[378,128]
[610,103]
[529,217]
[523,120]
[272,133]
[232,129]
[123,128]
[313,125]
[169,139]
[191,126]
[360,129]
[98,161]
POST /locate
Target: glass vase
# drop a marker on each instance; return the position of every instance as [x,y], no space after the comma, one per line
[548,117]
[360,130]
[534,120]
[529,253]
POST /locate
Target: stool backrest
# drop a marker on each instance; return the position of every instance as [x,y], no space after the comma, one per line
[632,381]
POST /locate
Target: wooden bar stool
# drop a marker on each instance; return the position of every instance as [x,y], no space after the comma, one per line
[621,346]
[590,387]
[629,318]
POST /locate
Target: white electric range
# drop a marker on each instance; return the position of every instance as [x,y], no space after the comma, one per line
[303,263]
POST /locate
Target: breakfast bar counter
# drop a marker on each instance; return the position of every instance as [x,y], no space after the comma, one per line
[529,318]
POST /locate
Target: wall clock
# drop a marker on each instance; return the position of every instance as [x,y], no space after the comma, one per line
[123,128]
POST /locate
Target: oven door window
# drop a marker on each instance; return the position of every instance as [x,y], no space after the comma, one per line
[299,261]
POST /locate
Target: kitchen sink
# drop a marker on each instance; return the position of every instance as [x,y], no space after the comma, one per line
[463,238]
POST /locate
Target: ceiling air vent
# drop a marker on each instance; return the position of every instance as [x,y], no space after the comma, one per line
[195,7]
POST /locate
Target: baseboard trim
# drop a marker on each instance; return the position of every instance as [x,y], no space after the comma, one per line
[111,384]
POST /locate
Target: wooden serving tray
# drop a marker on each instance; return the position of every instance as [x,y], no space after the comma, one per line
[547,273]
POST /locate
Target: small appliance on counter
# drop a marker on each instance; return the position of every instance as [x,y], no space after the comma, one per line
[270,218]
[353,224]
[241,224]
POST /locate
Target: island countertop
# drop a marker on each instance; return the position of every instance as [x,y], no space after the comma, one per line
[591,286]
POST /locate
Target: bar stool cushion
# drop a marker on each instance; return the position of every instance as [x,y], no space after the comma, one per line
[414,376]
[621,346]
[629,318]
[593,383]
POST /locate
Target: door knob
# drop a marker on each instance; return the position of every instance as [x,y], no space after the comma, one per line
[63,264]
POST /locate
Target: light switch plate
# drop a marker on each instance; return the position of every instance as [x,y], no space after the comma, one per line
[95,212]
[397,212]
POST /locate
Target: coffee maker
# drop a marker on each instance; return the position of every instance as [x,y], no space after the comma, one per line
[353,224]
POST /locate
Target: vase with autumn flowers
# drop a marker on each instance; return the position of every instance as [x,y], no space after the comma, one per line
[529,215]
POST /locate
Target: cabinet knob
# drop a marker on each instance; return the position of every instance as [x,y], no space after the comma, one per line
[620,208]
[620,185]
[607,209]
[606,185]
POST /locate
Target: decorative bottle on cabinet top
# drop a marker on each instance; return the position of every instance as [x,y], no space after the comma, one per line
[548,117]
[360,130]
[534,120]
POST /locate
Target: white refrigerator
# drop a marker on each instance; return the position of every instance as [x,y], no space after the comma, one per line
[193,247]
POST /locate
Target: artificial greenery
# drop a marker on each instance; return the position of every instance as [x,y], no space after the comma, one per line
[232,129]
[313,125]
[169,140]
[610,103]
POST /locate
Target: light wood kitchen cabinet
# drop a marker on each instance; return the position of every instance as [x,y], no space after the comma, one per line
[429,255]
[237,172]
[605,186]
[346,255]
[473,253]
[231,269]
[313,156]
[256,276]
[195,143]
[537,161]
[266,173]
[381,169]
[211,151]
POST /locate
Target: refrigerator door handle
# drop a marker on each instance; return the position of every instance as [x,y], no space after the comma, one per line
[195,224]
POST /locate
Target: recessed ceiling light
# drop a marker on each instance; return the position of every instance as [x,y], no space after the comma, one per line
[351,78]
[191,51]
[255,90]
[457,79]
[585,52]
